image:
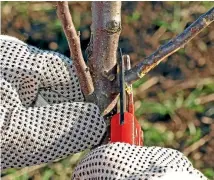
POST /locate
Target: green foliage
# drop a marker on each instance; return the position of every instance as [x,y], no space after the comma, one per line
[154,137]
[47,174]
[173,103]
[207,4]
[13,173]
[139,82]
[175,25]
[181,51]
[209,172]
[193,137]
[152,107]
[133,17]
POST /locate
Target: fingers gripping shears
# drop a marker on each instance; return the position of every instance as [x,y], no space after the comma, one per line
[124,125]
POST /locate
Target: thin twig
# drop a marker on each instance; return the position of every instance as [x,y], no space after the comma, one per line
[83,73]
[170,47]
[148,84]
[189,83]
[205,99]
[196,145]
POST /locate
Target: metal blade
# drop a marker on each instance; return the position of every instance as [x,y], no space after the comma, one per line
[122,87]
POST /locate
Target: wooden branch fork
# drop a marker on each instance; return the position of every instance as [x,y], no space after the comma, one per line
[99,82]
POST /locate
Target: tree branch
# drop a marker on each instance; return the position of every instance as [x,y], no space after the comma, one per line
[75,48]
[170,47]
[102,51]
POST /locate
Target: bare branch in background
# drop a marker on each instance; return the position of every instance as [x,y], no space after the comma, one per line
[197,144]
[75,48]
[170,47]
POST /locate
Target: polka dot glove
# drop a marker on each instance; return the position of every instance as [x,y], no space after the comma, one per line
[120,161]
[33,134]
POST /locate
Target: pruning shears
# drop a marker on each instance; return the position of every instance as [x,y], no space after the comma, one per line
[124,125]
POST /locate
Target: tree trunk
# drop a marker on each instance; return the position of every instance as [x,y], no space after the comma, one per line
[102,50]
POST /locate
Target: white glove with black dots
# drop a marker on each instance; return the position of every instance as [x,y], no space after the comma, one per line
[121,161]
[61,124]
[31,134]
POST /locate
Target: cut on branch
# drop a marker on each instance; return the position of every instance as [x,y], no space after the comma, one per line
[170,47]
[73,39]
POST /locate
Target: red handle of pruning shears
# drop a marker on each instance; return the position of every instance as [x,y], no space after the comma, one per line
[124,125]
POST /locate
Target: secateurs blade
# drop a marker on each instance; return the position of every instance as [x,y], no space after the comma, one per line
[124,125]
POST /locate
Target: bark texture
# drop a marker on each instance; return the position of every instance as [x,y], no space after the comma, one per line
[75,48]
[102,51]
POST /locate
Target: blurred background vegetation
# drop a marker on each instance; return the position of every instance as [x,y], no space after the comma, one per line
[174,102]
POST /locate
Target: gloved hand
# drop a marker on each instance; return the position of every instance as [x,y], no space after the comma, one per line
[120,161]
[65,125]
[32,135]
